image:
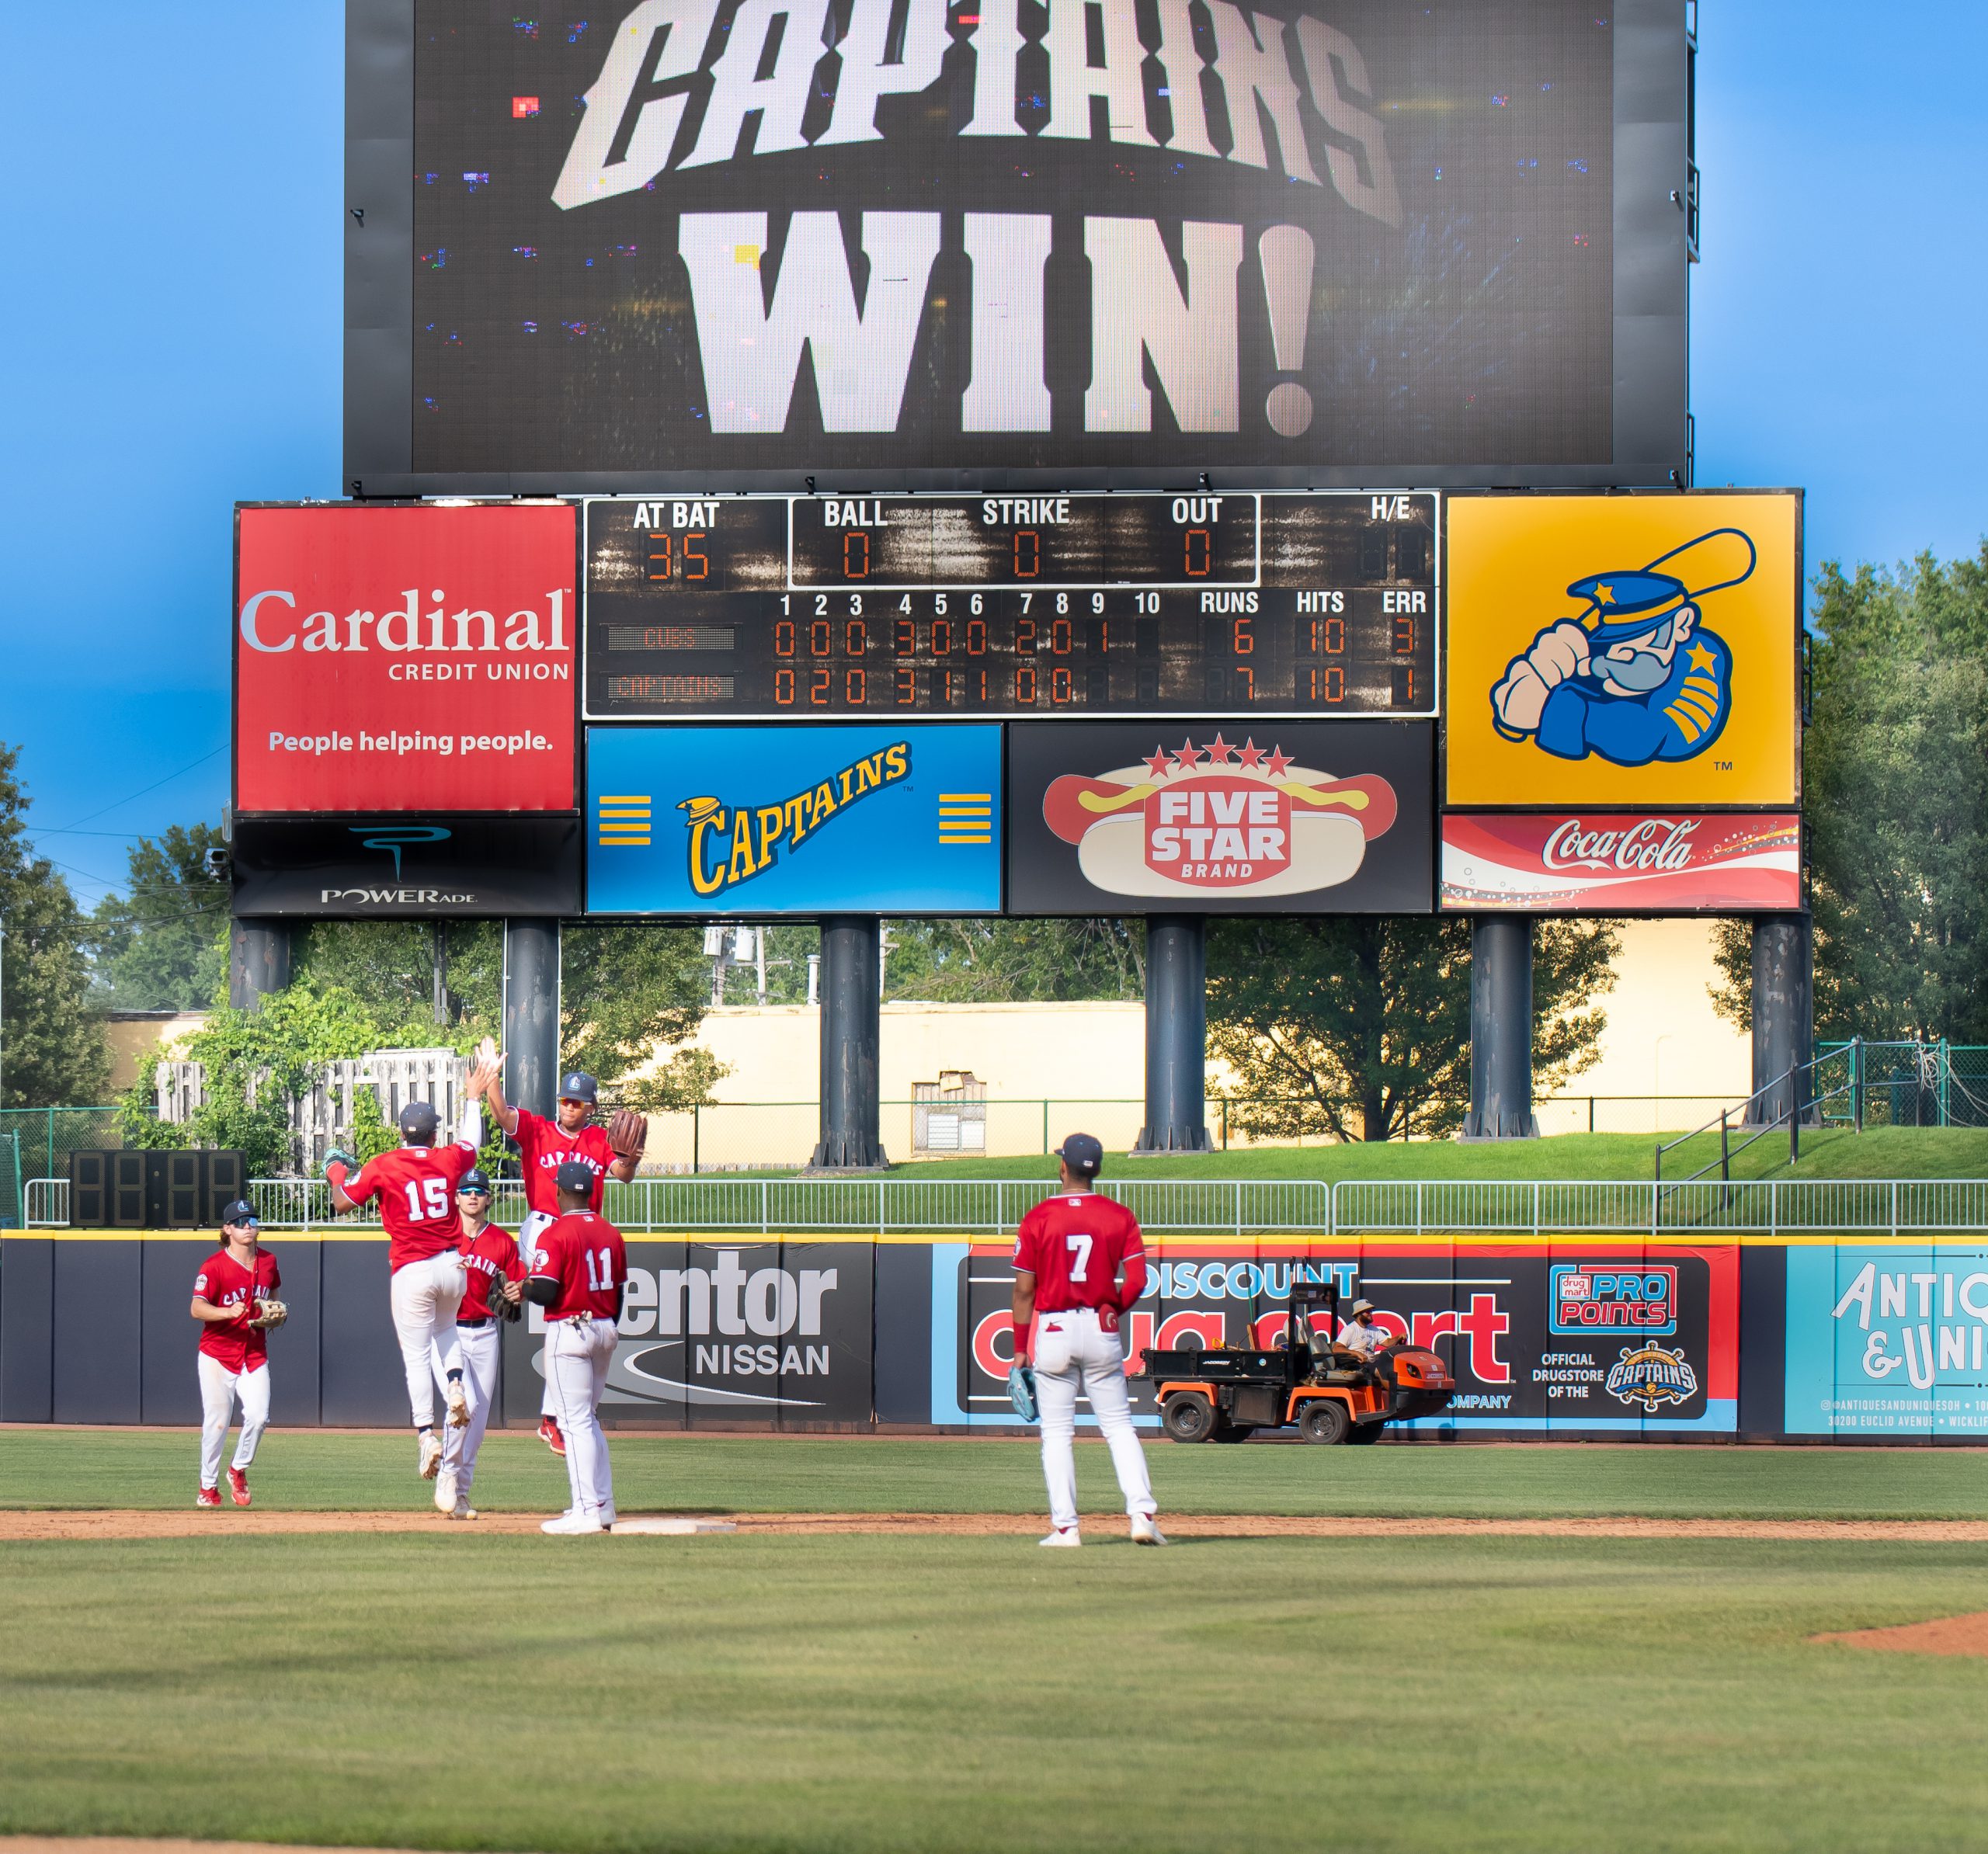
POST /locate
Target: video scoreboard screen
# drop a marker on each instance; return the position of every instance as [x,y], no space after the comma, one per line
[753,607]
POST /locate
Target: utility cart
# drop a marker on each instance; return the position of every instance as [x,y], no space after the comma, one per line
[1224,1394]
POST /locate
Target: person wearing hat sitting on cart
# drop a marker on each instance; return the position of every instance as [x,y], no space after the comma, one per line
[1369,1344]
[1635,677]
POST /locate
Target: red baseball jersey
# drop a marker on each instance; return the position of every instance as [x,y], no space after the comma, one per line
[585,1255]
[493,1257]
[416,1187]
[543,1149]
[1074,1245]
[223,1282]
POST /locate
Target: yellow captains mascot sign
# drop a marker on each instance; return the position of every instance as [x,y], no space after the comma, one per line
[1636,676]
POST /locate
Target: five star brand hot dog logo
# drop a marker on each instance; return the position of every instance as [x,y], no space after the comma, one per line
[1651,1377]
[730,844]
[1196,820]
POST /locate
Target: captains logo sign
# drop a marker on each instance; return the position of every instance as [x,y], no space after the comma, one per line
[731,844]
[1634,676]
[1651,1377]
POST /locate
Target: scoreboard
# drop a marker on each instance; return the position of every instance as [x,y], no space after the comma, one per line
[745,607]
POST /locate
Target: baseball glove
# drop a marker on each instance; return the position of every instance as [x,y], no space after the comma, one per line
[628,1133]
[504,1307]
[1021,1393]
[269,1313]
[337,1156]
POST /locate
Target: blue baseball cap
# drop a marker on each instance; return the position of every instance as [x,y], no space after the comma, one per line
[577,1087]
[473,1179]
[575,1176]
[1081,1153]
[1626,605]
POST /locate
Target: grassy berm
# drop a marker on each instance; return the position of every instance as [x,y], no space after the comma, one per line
[459,1691]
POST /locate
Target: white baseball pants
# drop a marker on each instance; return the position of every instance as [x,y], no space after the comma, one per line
[1073,1349]
[424,1296]
[477,1353]
[535,1223]
[577,1352]
[220,1388]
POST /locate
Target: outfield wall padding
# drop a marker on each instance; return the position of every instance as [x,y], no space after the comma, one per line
[1565,1334]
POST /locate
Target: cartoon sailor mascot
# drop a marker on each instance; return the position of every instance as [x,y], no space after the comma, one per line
[1635,677]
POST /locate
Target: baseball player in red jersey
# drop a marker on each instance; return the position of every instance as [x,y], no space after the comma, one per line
[493,1276]
[577,1277]
[416,1186]
[543,1145]
[233,1283]
[1069,1254]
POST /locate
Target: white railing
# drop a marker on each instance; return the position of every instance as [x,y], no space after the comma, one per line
[47,1202]
[1215,1207]
[1771,1207]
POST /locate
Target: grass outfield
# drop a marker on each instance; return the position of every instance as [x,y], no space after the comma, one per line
[1833,1152]
[330,1470]
[861,1693]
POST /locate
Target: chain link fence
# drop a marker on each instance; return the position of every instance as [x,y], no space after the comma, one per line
[1909,1084]
[47,1136]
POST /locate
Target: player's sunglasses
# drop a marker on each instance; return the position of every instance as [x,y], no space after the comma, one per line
[472,1194]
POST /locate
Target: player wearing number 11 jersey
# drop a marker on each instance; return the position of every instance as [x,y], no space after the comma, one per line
[577,1276]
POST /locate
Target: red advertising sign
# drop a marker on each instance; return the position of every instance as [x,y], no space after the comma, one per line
[1618,862]
[405,659]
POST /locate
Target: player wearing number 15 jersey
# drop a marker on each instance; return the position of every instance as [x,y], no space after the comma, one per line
[577,1277]
[416,1188]
[1070,1253]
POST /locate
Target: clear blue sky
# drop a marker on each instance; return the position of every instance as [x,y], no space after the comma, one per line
[171,329]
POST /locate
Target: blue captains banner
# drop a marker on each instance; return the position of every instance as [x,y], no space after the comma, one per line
[710,821]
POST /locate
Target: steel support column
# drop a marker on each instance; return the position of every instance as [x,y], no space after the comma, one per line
[531,1015]
[1501,1029]
[1783,1011]
[258,961]
[851,984]
[1177,1035]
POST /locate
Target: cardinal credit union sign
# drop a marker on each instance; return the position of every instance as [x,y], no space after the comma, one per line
[1228,817]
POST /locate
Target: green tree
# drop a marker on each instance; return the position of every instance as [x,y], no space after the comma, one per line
[393,962]
[162,944]
[257,1062]
[1015,962]
[625,991]
[52,1051]
[1358,1026]
[1896,794]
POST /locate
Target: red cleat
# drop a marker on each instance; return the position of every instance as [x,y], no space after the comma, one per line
[548,1433]
[238,1487]
[208,1496]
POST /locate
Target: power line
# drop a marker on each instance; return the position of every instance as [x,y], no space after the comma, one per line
[153,787]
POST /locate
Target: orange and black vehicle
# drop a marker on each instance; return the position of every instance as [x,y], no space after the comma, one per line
[1224,1394]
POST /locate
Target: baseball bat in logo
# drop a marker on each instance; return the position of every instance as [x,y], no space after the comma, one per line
[1218,818]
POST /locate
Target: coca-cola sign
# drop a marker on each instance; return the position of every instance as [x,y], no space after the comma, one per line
[1645,862]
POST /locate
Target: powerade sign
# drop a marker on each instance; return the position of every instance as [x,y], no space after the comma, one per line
[1507,1321]
[1885,1341]
[793,819]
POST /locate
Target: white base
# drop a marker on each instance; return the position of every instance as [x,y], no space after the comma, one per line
[655,1528]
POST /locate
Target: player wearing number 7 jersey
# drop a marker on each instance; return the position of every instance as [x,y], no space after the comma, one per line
[416,1188]
[577,1276]
[1069,1253]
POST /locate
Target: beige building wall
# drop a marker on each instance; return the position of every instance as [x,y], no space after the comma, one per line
[1087,1062]
[134,1037]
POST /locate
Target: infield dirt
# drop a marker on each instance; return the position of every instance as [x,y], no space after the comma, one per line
[134,1523]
